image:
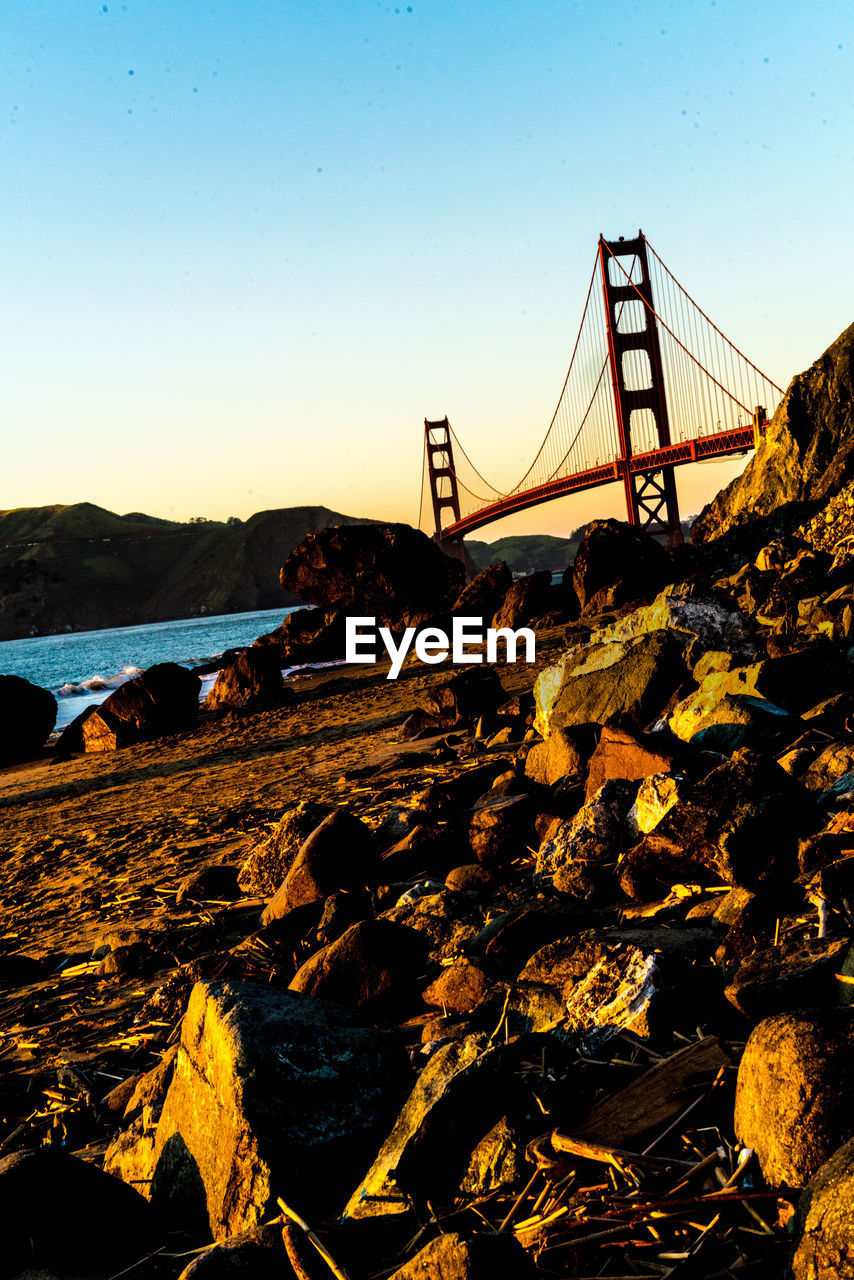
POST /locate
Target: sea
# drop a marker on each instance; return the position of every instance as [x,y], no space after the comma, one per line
[83,667]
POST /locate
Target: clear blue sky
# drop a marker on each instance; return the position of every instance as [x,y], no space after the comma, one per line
[247,247]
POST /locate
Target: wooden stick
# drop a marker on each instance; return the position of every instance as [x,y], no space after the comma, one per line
[321,1248]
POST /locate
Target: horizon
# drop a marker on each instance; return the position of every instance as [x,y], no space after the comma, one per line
[248,253]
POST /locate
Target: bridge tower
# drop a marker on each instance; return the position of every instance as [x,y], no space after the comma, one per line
[651,499]
[442,475]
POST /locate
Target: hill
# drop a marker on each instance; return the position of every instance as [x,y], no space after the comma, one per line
[527,552]
[80,567]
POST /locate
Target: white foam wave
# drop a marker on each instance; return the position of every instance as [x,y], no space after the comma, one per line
[97,683]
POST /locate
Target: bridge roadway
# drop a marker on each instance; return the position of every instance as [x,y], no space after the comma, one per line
[738,440]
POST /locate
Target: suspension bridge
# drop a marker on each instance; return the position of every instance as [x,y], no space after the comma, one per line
[653,384]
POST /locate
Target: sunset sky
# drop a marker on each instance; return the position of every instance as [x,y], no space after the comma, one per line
[249,246]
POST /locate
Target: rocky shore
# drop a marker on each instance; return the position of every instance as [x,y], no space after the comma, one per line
[507,970]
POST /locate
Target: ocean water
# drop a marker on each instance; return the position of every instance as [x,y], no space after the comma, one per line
[83,667]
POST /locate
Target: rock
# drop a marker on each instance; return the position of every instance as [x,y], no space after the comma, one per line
[526,598]
[272,1093]
[738,825]
[484,594]
[451,1257]
[381,570]
[27,717]
[18,970]
[448,797]
[253,1255]
[255,676]
[797,973]
[707,619]
[564,754]
[806,454]
[459,988]
[824,1223]
[58,1210]
[791,1099]
[497,1161]
[465,696]
[372,964]
[794,681]
[473,877]
[429,849]
[581,856]
[616,563]
[461,1093]
[163,699]
[270,861]
[71,738]
[712,662]
[829,766]
[339,854]
[307,635]
[625,681]
[656,796]
[213,883]
[596,984]
[621,754]
[447,921]
[725,721]
[149,1090]
[500,829]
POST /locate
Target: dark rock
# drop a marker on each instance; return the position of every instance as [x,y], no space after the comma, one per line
[27,717]
[252,1255]
[447,921]
[428,849]
[497,1161]
[615,564]
[628,682]
[212,883]
[473,877]
[61,1210]
[339,854]
[452,1257]
[420,724]
[273,1093]
[370,967]
[791,1103]
[719,721]
[465,696]
[270,861]
[506,943]
[163,699]
[807,453]
[500,829]
[71,738]
[581,856]
[483,595]
[462,1092]
[307,635]
[378,569]
[450,796]
[18,970]
[253,677]
[527,598]
[824,1223]
[737,826]
[798,973]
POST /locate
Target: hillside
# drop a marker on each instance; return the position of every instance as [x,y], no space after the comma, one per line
[77,568]
[527,552]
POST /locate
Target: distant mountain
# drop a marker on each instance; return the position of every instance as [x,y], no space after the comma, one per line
[78,568]
[528,552]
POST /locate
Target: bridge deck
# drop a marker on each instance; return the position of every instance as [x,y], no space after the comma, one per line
[718,445]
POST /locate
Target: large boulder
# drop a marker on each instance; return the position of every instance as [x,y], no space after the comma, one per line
[372,964]
[737,826]
[164,698]
[824,1224]
[307,635]
[272,1093]
[616,563]
[807,452]
[526,599]
[464,696]
[252,677]
[27,717]
[792,1098]
[484,594]
[57,1209]
[339,854]
[626,681]
[382,570]
[269,861]
[707,619]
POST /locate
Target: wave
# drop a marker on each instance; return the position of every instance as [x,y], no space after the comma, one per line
[97,683]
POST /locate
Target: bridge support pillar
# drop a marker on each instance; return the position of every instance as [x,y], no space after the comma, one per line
[443,486]
[651,499]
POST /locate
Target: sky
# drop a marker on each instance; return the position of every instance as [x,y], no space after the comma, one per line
[249,246]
